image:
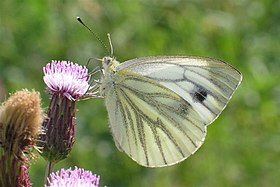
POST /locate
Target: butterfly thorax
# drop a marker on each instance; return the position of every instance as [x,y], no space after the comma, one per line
[109,66]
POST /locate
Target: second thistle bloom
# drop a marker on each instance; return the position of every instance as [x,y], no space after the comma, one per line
[66,82]
[77,177]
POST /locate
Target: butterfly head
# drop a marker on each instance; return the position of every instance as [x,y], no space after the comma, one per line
[109,63]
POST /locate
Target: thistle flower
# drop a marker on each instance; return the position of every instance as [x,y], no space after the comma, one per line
[20,120]
[68,79]
[66,82]
[73,178]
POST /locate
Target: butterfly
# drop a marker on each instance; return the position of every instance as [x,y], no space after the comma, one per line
[159,107]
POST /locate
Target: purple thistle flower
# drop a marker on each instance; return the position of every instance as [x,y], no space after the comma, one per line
[71,80]
[74,178]
[66,82]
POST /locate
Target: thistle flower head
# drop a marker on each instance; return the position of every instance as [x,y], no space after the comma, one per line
[66,82]
[20,121]
[23,112]
[74,178]
[67,78]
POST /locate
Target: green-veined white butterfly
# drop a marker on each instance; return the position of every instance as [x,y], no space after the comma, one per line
[159,107]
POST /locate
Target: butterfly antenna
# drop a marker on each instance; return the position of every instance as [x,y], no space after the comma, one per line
[95,35]
[111,45]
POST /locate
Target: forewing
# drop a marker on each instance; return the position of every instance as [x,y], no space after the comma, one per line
[154,125]
[206,84]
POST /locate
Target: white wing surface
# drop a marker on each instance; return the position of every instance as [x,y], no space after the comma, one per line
[159,107]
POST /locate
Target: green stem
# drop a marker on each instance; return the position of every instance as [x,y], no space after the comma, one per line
[48,171]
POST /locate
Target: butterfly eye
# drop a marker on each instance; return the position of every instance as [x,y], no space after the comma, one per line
[107,60]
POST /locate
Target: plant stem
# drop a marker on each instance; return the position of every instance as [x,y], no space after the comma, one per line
[48,171]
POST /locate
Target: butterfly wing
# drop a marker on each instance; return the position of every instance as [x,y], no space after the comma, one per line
[159,107]
[206,83]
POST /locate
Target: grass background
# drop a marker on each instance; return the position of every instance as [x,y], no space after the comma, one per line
[242,145]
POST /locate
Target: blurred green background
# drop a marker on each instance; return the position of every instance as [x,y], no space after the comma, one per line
[242,147]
